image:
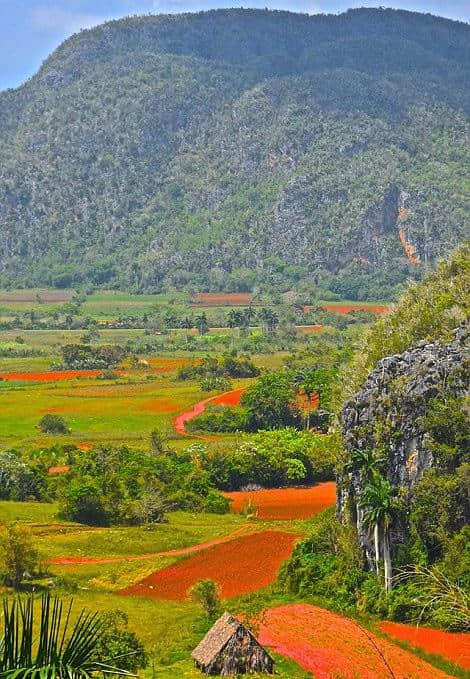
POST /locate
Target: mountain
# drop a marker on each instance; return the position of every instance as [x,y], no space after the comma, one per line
[239,148]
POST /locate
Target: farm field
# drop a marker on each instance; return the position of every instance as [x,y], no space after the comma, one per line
[96,411]
[330,645]
[151,588]
[146,571]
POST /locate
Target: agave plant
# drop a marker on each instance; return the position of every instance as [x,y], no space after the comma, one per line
[51,648]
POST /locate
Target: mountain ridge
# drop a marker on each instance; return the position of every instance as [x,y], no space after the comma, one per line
[147,161]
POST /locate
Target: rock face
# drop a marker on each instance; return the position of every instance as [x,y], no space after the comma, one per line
[390,406]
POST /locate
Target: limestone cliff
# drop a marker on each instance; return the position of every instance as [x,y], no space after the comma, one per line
[388,411]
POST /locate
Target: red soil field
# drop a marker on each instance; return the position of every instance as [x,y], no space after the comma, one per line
[449,645]
[243,565]
[331,646]
[57,375]
[346,308]
[223,299]
[229,398]
[52,376]
[286,503]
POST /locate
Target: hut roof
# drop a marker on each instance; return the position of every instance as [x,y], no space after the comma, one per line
[216,638]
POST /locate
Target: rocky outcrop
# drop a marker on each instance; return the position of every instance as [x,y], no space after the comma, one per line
[389,408]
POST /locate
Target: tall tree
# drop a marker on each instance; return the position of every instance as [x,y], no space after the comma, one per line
[380,505]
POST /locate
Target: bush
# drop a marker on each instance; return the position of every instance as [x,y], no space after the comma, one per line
[53,424]
[17,480]
[118,645]
[205,593]
[271,459]
[18,556]
[150,508]
[82,501]
[215,384]
[218,419]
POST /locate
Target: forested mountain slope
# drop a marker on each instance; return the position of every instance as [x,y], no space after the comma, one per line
[236,148]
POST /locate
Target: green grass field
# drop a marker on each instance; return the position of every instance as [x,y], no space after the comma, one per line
[169,629]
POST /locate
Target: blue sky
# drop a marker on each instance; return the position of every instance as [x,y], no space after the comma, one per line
[31,29]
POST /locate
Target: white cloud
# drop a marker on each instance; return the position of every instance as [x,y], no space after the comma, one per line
[57,19]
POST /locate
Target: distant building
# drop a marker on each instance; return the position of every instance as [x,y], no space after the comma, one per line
[229,648]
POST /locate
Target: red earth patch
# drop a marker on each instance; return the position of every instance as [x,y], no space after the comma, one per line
[229,398]
[243,565]
[286,503]
[449,645]
[332,646]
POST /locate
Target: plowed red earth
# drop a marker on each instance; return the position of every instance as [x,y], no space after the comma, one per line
[52,376]
[346,308]
[243,565]
[56,375]
[331,646]
[229,398]
[286,503]
[453,647]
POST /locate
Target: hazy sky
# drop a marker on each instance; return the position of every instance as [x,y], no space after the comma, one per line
[31,29]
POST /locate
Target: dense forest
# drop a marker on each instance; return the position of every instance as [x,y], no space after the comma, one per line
[239,150]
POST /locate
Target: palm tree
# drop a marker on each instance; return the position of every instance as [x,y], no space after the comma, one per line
[379,503]
[57,654]
[366,461]
[306,380]
[202,324]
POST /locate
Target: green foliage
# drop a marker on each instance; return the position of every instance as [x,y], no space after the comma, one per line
[448,426]
[342,134]
[62,651]
[85,357]
[215,384]
[120,486]
[18,556]
[327,564]
[117,644]
[18,480]
[53,424]
[223,366]
[206,594]
[428,311]
[271,459]
[439,509]
[269,403]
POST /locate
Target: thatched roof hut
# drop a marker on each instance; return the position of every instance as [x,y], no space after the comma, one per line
[229,648]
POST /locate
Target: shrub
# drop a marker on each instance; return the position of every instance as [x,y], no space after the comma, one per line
[53,424]
[150,508]
[215,384]
[218,419]
[117,644]
[205,593]
[17,480]
[18,556]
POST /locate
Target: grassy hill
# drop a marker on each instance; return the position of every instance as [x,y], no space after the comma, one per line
[235,149]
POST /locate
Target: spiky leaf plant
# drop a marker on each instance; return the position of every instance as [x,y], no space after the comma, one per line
[52,648]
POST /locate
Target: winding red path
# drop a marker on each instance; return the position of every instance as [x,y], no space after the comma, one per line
[183,551]
[228,398]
